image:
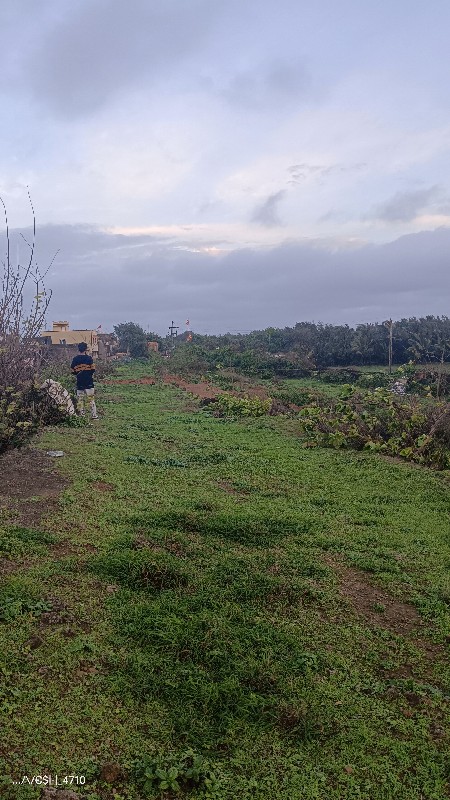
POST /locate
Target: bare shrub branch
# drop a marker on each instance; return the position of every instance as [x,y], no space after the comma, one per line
[20,326]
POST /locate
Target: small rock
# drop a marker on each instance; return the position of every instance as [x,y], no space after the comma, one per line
[111,773]
[55,453]
[111,588]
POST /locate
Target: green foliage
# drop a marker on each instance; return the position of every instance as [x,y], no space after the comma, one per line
[75,421]
[380,422]
[338,375]
[22,412]
[19,596]
[242,406]
[296,395]
[426,381]
[189,359]
[244,527]
[15,541]
[141,568]
[173,773]
[296,351]
[132,338]
[373,380]
[18,419]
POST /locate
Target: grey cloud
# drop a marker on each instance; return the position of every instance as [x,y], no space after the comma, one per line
[405,206]
[267,213]
[90,54]
[270,87]
[103,279]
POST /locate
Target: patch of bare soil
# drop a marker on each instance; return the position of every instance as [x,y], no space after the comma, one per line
[27,474]
[8,567]
[393,614]
[228,487]
[202,390]
[102,486]
[207,393]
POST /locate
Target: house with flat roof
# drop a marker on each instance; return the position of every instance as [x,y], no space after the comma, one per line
[62,337]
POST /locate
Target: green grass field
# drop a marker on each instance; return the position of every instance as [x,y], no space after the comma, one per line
[213,611]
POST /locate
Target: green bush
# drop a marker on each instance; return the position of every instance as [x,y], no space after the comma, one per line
[296,395]
[18,419]
[22,411]
[373,380]
[429,382]
[381,422]
[338,375]
[233,406]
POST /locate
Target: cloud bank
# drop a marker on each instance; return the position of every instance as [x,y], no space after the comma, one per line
[101,278]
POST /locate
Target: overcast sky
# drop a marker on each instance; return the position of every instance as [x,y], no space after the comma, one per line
[237,163]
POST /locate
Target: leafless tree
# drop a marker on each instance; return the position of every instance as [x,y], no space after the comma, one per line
[21,321]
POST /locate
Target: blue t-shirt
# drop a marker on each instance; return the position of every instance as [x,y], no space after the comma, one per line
[83,367]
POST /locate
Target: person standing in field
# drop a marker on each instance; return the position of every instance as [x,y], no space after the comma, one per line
[83,368]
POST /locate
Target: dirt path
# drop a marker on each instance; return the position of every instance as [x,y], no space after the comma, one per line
[30,484]
[205,391]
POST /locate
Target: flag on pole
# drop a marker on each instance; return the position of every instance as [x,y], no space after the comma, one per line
[187,322]
[99,327]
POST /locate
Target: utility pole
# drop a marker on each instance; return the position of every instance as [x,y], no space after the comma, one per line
[173,333]
[390,325]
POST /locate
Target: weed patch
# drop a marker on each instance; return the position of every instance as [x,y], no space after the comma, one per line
[242,528]
[379,422]
[18,541]
[224,665]
[141,569]
[174,773]
[19,596]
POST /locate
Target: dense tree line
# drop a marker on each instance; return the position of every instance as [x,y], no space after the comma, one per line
[311,345]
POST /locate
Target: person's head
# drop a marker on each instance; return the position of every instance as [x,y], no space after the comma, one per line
[82,347]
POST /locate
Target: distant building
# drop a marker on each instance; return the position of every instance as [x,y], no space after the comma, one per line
[153,346]
[107,345]
[62,337]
